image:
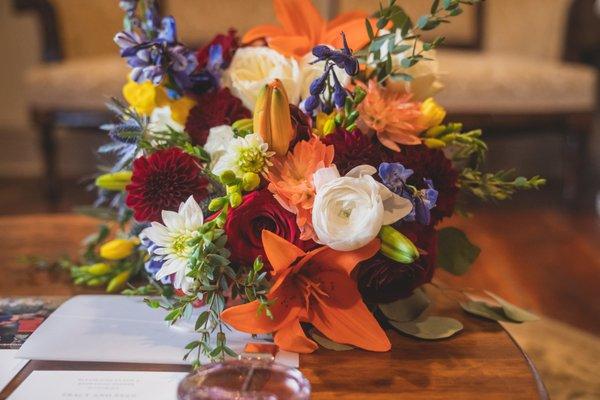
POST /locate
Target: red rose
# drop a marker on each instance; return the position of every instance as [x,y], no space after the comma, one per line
[259,210]
[162,181]
[214,108]
[229,44]
[382,280]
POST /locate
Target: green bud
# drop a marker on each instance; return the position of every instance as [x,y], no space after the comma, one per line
[217,204]
[250,181]
[350,128]
[455,126]
[352,117]
[228,177]
[243,127]
[99,269]
[359,95]
[396,246]
[115,181]
[118,282]
[235,199]
[434,143]
[94,282]
[338,119]
[435,131]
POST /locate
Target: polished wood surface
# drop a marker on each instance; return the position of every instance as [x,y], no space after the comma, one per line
[480,362]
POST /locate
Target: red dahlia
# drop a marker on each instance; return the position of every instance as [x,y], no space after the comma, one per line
[352,149]
[214,108]
[162,181]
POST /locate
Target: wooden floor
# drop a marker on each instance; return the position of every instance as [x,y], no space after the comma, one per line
[535,252]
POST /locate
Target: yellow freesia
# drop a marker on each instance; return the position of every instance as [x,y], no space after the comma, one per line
[432,114]
[144,97]
[118,249]
[180,109]
[325,123]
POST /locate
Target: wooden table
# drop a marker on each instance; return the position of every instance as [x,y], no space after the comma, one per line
[480,362]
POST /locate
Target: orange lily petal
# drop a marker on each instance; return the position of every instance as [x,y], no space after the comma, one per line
[285,309]
[280,252]
[355,32]
[345,318]
[262,31]
[299,17]
[291,337]
[290,46]
[346,17]
[343,260]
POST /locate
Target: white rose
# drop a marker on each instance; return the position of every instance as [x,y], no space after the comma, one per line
[349,211]
[310,72]
[254,67]
[161,120]
[218,139]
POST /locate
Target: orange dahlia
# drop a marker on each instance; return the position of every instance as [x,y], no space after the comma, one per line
[291,180]
[395,118]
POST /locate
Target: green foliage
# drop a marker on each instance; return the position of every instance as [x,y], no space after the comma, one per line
[429,328]
[395,19]
[493,186]
[504,312]
[327,343]
[408,309]
[456,253]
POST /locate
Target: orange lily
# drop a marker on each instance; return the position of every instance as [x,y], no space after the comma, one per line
[312,287]
[302,28]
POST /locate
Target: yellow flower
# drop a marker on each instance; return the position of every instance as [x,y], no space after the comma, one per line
[144,97]
[118,249]
[118,282]
[325,123]
[114,181]
[180,109]
[99,269]
[432,114]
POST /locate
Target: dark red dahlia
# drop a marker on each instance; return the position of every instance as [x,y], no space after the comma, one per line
[382,280]
[259,210]
[429,164]
[353,149]
[229,43]
[214,108]
[162,181]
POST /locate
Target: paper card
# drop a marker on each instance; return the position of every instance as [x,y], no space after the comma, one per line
[130,385]
[9,366]
[118,329]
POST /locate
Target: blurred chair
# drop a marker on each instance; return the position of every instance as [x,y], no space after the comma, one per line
[504,72]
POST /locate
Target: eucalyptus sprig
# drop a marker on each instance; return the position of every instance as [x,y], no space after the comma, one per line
[403,36]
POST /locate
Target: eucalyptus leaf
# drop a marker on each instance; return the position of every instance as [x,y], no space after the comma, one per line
[429,328]
[328,344]
[408,309]
[482,309]
[513,312]
[455,252]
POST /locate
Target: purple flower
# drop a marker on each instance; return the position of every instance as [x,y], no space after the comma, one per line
[394,176]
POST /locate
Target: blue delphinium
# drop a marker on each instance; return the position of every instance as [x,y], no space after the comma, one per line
[395,176]
[326,91]
[210,76]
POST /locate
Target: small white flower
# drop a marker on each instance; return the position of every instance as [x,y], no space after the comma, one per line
[349,211]
[217,142]
[161,120]
[171,241]
[253,67]
[245,154]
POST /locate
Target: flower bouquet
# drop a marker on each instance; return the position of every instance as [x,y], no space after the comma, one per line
[290,182]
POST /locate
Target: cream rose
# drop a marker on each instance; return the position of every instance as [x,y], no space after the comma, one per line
[253,67]
[349,211]
[217,142]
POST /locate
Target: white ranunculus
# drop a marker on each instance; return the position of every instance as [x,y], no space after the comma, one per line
[349,211]
[253,67]
[310,72]
[217,142]
[161,120]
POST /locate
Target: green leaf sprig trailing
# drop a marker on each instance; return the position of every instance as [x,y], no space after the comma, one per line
[494,186]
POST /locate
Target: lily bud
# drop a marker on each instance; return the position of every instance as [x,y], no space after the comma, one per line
[99,269]
[117,249]
[396,246]
[272,120]
[118,282]
[114,181]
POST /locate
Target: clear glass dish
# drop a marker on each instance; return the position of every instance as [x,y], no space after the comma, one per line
[244,379]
